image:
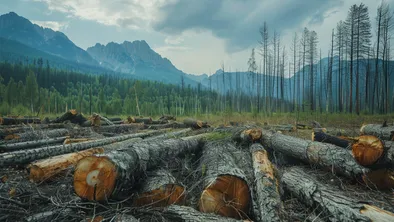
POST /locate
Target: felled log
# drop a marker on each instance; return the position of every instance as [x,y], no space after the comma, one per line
[78,140]
[31,144]
[381,179]
[195,124]
[334,204]
[20,129]
[160,189]
[265,185]
[323,155]
[37,135]
[55,214]
[114,174]
[17,120]
[285,128]
[167,117]
[169,135]
[184,213]
[124,218]
[115,119]
[27,156]
[226,190]
[159,121]
[303,126]
[247,135]
[44,169]
[72,116]
[326,138]
[174,125]
[139,120]
[383,132]
[120,128]
[121,145]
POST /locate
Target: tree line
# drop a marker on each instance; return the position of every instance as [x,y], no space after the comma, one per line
[354,77]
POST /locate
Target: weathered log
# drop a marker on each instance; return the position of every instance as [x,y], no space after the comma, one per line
[20,129]
[27,156]
[226,189]
[195,124]
[247,135]
[124,218]
[37,135]
[169,135]
[167,117]
[326,138]
[31,144]
[382,132]
[18,120]
[121,145]
[174,125]
[265,185]
[160,189]
[303,126]
[335,205]
[159,121]
[285,128]
[78,140]
[44,169]
[147,120]
[72,116]
[58,213]
[323,155]
[114,174]
[183,213]
[120,128]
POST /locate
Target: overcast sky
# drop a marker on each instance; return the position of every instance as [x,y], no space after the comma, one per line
[196,35]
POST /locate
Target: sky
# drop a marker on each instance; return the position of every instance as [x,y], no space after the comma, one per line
[198,36]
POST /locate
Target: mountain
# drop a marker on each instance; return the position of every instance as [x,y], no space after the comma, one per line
[138,59]
[17,28]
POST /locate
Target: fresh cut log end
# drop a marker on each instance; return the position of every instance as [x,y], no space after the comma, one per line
[381,179]
[254,134]
[94,178]
[367,150]
[227,196]
[162,197]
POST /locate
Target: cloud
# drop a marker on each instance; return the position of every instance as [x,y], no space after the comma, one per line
[174,40]
[57,26]
[165,49]
[238,21]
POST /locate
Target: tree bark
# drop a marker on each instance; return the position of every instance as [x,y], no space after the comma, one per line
[184,213]
[334,204]
[168,125]
[140,120]
[27,156]
[15,121]
[114,174]
[246,135]
[169,135]
[195,124]
[160,121]
[382,132]
[323,155]
[73,116]
[226,189]
[37,135]
[20,129]
[44,169]
[31,144]
[120,128]
[265,185]
[160,189]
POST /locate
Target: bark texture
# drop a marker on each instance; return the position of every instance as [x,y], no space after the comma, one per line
[31,144]
[335,205]
[160,189]
[37,135]
[27,156]
[114,174]
[195,124]
[323,155]
[383,132]
[226,191]
[265,185]
[124,128]
[183,213]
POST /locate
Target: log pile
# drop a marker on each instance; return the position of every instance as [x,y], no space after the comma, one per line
[91,169]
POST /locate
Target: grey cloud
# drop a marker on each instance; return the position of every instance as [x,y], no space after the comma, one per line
[238,22]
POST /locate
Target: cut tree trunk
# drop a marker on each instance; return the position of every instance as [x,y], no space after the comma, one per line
[115,119]
[324,155]
[47,168]
[226,190]
[31,144]
[124,128]
[20,129]
[159,122]
[285,128]
[27,156]
[195,124]
[160,189]
[265,185]
[15,121]
[169,135]
[383,132]
[141,120]
[72,116]
[114,174]
[174,125]
[247,135]
[183,213]
[167,117]
[37,135]
[366,149]
[338,132]
[78,140]
[332,203]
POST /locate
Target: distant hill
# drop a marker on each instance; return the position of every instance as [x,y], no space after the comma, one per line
[20,29]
